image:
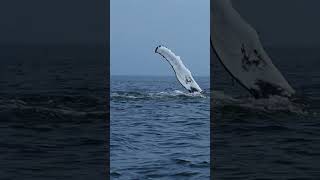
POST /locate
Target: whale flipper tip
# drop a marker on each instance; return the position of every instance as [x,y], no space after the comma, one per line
[156,50]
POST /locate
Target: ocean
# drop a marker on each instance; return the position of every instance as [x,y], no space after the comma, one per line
[53,115]
[273,138]
[54,120]
[158,129]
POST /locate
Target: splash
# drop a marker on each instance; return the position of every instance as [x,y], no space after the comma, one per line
[156,95]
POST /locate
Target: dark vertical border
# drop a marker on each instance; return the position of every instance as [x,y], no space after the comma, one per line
[211,102]
[108,88]
[107,58]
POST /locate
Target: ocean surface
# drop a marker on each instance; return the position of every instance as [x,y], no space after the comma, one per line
[271,138]
[158,130]
[53,109]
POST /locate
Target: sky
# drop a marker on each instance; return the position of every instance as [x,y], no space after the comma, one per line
[137,27]
[53,21]
[283,23]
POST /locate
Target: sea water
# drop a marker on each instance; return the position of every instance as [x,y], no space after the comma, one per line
[274,138]
[53,111]
[158,129]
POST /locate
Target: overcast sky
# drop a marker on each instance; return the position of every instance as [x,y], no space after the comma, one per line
[139,26]
[283,22]
[53,21]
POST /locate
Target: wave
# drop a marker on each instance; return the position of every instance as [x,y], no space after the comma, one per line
[224,101]
[93,106]
[52,106]
[268,105]
[155,95]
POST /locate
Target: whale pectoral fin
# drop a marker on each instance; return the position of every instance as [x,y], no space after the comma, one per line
[267,89]
[192,90]
[188,80]
[242,53]
[182,73]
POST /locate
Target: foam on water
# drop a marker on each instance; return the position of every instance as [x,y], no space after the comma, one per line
[267,105]
[156,95]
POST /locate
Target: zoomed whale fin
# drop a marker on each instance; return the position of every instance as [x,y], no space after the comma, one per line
[238,47]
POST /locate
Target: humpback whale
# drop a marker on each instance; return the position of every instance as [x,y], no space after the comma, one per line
[182,73]
[238,48]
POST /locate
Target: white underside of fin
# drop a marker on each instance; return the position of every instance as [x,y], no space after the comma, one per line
[182,73]
[239,49]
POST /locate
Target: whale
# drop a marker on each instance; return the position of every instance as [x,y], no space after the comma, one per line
[182,73]
[236,44]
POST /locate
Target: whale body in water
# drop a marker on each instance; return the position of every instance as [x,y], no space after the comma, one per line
[237,46]
[182,73]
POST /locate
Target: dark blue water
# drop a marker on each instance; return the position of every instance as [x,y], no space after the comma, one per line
[158,130]
[273,138]
[53,121]
[53,112]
